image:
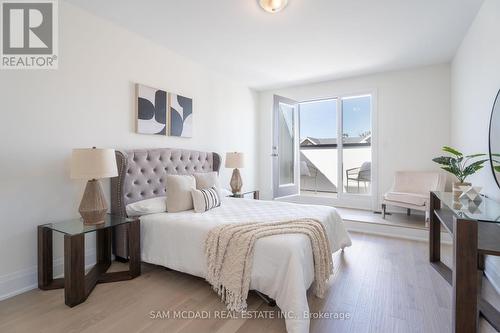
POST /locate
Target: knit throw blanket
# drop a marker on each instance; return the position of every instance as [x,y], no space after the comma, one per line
[229,251]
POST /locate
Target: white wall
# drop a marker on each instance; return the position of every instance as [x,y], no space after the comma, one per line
[413,110]
[89,101]
[475,81]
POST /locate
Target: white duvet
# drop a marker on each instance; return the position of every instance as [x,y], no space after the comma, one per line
[283,264]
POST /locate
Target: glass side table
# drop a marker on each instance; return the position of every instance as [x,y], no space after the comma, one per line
[475,231]
[255,195]
[78,285]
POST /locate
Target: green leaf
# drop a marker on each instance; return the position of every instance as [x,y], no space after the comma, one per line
[473,167]
[480,162]
[447,168]
[456,166]
[497,168]
[454,172]
[470,170]
[452,151]
[475,155]
[443,160]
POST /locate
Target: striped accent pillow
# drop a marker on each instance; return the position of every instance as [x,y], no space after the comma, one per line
[206,199]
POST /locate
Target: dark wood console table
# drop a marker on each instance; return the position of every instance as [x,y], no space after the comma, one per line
[475,230]
[78,285]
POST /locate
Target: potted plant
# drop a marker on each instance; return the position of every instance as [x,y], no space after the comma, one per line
[460,166]
[496,167]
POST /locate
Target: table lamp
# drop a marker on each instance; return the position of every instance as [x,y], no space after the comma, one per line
[93,164]
[235,160]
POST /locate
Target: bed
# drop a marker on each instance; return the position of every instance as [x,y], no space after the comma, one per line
[283,264]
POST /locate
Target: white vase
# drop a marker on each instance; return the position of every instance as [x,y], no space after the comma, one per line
[458,189]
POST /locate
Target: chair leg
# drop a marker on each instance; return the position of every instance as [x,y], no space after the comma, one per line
[408,211]
[384,207]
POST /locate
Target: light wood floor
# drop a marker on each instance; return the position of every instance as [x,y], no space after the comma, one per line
[385,284]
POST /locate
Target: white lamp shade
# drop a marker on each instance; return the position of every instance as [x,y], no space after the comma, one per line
[93,163]
[235,160]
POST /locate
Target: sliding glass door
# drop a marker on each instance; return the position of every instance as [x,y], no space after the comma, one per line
[356,149]
[318,148]
[336,149]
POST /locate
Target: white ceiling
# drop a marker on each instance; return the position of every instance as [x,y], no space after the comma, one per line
[310,40]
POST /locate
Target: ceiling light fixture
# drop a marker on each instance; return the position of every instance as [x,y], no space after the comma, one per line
[273,6]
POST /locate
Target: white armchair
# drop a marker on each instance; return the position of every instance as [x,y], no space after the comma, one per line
[411,190]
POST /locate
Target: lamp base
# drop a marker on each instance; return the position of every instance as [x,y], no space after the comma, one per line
[236,182]
[93,207]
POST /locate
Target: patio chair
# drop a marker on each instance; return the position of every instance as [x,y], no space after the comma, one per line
[360,174]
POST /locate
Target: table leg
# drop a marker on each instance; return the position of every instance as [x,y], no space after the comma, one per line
[465,286]
[434,230]
[134,243]
[103,244]
[480,271]
[74,269]
[45,273]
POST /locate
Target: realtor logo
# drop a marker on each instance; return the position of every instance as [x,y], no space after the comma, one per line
[29,34]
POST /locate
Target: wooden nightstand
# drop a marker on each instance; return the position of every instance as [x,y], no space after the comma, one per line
[78,285]
[256,195]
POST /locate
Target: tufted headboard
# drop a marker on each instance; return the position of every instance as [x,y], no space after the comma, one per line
[142,175]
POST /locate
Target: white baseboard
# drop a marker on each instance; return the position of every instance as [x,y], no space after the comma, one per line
[16,283]
[395,231]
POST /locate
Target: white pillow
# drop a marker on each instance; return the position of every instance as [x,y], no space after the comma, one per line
[179,192]
[148,206]
[206,180]
[205,199]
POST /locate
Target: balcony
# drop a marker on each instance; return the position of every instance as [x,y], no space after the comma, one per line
[319,166]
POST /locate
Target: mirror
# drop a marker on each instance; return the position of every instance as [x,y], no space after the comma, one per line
[495,139]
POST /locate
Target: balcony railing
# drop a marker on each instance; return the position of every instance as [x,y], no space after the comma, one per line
[319,168]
